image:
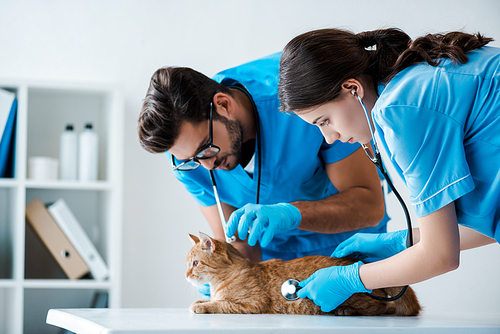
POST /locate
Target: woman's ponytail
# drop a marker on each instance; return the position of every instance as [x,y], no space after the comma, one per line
[433,48]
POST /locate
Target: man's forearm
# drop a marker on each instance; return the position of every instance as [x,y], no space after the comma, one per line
[349,210]
[472,239]
[252,253]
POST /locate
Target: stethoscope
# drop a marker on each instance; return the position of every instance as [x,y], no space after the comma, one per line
[290,287]
[234,84]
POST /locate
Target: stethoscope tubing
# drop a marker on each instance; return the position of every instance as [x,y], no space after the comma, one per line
[377,160]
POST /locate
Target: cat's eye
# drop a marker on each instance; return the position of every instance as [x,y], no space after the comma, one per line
[195,263]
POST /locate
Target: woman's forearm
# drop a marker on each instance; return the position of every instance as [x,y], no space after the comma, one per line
[436,252]
[408,267]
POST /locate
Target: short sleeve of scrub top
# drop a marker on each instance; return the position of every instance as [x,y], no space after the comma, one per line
[420,118]
[440,127]
[427,146]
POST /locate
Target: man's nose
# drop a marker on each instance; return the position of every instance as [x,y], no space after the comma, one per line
[208,163]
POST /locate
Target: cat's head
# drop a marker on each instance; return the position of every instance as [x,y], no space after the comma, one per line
[207,257]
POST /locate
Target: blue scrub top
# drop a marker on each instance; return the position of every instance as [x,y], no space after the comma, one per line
[441,128]
[293,155]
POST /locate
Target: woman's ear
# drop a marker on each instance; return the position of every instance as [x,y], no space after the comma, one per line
[353,87]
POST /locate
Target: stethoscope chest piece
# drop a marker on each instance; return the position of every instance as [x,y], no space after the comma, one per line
[289,289]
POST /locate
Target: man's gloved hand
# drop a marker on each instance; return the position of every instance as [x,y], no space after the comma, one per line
[381,246]
[204,290]
[330,287]
[263,221]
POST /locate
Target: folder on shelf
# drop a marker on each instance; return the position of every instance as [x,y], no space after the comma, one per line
[55,240]
[8,111]
[80,240]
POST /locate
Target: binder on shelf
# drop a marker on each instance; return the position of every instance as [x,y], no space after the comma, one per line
[100,299]
[6,100]
[38,261]
[80,240]
[55,240]
[8,111]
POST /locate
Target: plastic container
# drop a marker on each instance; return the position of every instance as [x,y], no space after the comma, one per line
[88,147]
[68,154]
[42,168]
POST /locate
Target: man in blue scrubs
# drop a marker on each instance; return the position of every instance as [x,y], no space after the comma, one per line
[312,195]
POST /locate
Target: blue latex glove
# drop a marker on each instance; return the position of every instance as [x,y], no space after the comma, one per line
[263,221]
[204,290]
[330,287]
[381,246]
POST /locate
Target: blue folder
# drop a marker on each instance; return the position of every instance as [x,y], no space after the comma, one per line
[8,144]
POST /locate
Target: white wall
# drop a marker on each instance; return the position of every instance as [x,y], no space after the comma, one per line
[124,42]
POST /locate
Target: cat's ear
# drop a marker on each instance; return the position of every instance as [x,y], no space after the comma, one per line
[194,239]
[207,243]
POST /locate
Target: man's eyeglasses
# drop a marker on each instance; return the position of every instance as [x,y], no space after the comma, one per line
[206,152]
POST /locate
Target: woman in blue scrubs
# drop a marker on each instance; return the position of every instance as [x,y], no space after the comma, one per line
[435,106]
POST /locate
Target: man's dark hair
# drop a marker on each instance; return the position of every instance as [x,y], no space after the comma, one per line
[175,95]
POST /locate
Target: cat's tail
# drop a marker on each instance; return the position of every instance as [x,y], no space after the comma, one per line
[406,305]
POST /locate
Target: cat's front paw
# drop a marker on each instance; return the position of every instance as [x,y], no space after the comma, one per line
[198,307]
[344,310]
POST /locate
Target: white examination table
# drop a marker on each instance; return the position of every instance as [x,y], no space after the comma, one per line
[117,321]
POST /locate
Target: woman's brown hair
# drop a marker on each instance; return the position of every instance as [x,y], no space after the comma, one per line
[314,65]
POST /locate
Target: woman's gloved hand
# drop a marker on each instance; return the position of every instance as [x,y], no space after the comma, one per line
[204,290]
[381,246]
[263,221]
[330,287]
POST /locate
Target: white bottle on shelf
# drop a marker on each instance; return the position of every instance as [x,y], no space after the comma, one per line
[88,154]
[68,154]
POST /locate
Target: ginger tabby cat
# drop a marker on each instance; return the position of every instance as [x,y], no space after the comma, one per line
[238,285]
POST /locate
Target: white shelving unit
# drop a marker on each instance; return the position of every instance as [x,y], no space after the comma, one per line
[30,281]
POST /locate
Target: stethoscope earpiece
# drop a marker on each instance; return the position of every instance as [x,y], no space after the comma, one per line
[353,92]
